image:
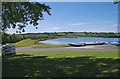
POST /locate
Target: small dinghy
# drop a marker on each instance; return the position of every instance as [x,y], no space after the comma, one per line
[95,43]
[77,45]
[117,43]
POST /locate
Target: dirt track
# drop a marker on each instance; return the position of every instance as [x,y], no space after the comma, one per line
[65,49]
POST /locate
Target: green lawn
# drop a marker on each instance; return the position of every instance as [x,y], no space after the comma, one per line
[50,46]
[58,54]
[61,64]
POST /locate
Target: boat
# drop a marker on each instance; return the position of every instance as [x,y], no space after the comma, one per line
[86,43]
[117,43]
[95,43]
[76,45]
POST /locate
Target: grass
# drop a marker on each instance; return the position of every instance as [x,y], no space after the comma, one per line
[50,46]
[23,43]
[61,64]
[29,42]
[113,54]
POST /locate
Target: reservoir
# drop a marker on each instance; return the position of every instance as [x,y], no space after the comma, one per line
[79,40]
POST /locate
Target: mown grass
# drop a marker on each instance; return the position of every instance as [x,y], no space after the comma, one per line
[23,43]
[50,46]
[112,54]
[61,64]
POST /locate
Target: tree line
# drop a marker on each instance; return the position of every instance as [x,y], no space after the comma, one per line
[13,38]
[10,38]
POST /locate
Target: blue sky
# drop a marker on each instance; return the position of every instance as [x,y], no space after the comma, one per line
[78,17]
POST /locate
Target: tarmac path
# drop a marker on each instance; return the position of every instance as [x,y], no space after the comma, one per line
[69,49]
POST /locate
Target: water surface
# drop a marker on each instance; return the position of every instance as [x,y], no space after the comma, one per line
[79,40]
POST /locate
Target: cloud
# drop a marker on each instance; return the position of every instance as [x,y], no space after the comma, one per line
[108,21]
[115,25]
[76,24]
[101,26]
[53,28]
[65,27]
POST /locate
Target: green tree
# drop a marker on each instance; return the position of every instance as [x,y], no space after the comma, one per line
[5,37]
[19,14]
[116,1]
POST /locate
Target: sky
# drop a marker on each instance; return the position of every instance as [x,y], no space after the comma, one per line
[78,17]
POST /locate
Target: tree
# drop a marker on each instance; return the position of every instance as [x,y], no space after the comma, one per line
[5,37]
[116,1]
[19,14]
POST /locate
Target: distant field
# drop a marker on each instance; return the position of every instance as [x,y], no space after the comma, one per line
[61,64]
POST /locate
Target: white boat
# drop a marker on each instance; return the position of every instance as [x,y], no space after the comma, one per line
[86,43]
[77,45]
[117,43]
[94,43]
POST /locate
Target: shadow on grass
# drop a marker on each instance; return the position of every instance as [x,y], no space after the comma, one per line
[25,65]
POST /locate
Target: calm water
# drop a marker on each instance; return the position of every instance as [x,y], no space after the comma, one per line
[79,40]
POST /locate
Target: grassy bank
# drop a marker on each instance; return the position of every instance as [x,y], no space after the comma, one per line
[50,46]
[29,42]
[64,64]
[23,43]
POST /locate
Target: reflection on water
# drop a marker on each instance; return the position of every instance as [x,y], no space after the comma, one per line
[79,40]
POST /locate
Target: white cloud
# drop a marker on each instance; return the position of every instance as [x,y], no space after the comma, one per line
[102,26]
[53,28]
[76,24]
[65,27]
[115,25]
[110,21]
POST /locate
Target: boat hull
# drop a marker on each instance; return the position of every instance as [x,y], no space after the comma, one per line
[76,45]
[83,44]
[94,43]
